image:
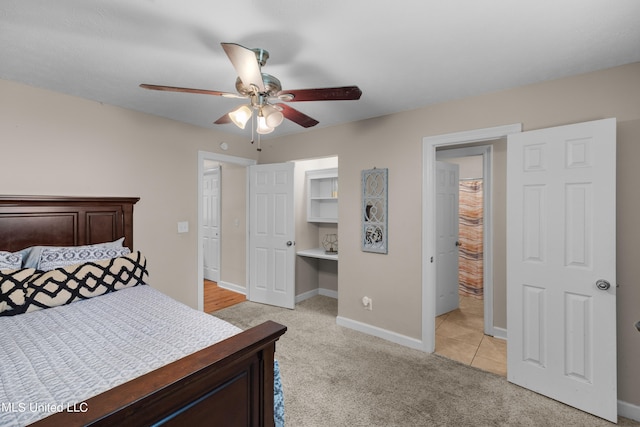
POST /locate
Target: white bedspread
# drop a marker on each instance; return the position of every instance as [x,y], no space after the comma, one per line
[55,359]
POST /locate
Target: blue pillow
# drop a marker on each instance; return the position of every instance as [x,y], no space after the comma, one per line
[31,255]
[10,260]
[52,258]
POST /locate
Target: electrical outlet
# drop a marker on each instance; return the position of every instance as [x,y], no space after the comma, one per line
[367,303]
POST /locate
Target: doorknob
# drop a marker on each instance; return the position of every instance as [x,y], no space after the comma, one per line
[290,243]
[603,285]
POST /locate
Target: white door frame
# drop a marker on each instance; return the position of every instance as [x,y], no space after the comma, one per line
[429,145]
[202,156]
[486,151]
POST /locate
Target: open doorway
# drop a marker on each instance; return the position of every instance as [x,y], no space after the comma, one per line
[464,331]
[232,267]
[497,267]
[475,219]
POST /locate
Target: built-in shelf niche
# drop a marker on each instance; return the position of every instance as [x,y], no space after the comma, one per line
[322,195]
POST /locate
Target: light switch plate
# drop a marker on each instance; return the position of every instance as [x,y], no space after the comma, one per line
[183,227]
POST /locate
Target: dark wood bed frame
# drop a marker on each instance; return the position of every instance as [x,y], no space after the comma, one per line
[227,384]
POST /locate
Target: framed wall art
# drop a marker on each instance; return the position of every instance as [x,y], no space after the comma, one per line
[374,210]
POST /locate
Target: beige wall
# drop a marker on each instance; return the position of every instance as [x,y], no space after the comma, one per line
[500,234]
[395,142]
[54,144]
[233,225]
[469,167]
[628,265]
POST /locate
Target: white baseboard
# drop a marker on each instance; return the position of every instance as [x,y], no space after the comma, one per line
[499,333]
[380,333]
[628,410]
[314,292]
[233,287]
[329,293]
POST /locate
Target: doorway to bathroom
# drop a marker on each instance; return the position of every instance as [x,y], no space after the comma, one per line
[464,325]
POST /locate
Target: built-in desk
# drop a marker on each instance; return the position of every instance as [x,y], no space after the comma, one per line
[317,253]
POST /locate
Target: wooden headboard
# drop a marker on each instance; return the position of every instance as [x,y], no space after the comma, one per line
[64,221]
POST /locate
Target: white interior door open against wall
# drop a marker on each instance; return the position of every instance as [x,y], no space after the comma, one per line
[561,277]
[447,227]
[211,224]
[272,235]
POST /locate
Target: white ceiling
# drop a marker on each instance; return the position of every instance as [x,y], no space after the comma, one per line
[403,54]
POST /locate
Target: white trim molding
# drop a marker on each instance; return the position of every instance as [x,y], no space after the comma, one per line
[500,333]
[628,410]
[233,287]
[385,334]
[319,291]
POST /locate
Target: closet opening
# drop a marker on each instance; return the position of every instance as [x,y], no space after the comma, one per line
[316,211]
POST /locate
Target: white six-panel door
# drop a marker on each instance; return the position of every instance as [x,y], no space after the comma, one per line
[272,235]
[447,226]
[211,224]
[561,278]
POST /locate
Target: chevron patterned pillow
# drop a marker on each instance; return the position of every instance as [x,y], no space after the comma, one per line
[13,290]
[65,285]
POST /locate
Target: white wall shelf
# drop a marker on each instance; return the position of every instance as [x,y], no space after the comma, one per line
[322,195]
[318,253]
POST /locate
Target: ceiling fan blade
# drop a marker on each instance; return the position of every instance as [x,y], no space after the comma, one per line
[223,120]
[190,90]
[246,64]
[296,116]
[345,93]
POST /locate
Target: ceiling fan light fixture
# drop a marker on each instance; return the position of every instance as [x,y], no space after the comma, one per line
[240,116]
[273,117]
[263,128]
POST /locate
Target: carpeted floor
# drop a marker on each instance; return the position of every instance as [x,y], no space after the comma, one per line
[334,376]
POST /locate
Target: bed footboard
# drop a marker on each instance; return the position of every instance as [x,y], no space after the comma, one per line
[227,384]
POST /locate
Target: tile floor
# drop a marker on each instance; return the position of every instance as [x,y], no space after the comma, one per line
[459,336]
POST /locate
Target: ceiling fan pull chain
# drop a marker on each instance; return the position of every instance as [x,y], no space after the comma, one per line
[252,130]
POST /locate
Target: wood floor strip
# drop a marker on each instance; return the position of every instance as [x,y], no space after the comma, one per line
[217,298]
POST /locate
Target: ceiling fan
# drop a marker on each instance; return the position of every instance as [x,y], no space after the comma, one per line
[264,93]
